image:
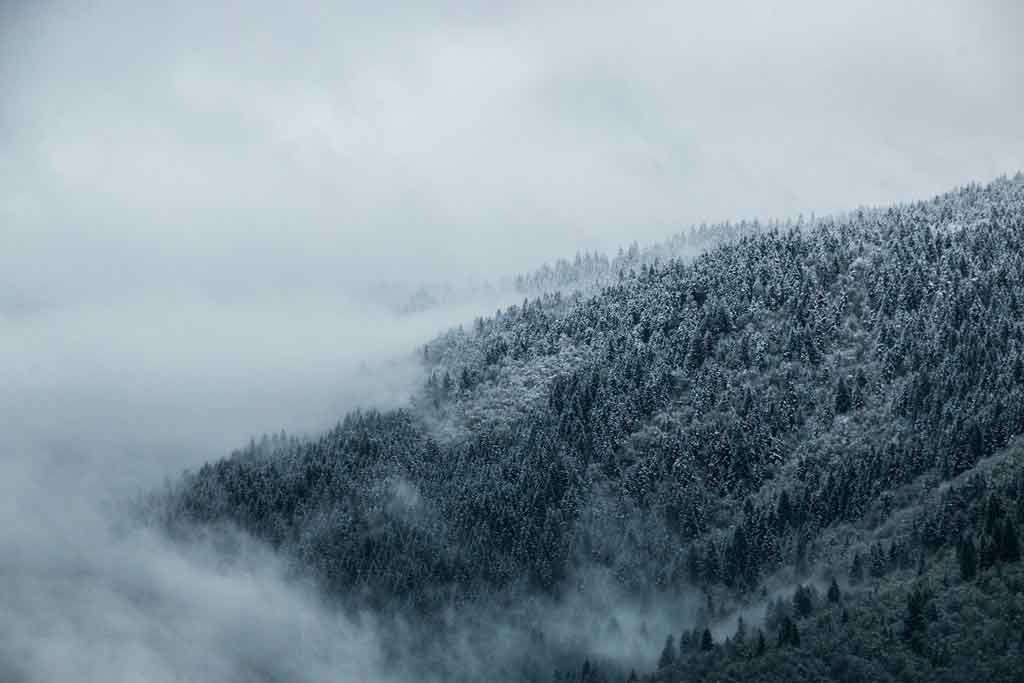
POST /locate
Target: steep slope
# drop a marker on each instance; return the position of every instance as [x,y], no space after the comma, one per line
[934,592]
[757,413]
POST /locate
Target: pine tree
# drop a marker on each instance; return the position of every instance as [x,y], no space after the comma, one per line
[833,592]
[975,442]
[706,642]
[988,554]
[967,555]
[737,556]
[695,354]
[913,621]
[788,632]
[843,400]
[856,570]
[802,601]
[800,561]
[1009,546]
[859,388]
[784,511]
[668,653]
[993,513]
[760,643]
[685,643]
[741,631]
[878,564]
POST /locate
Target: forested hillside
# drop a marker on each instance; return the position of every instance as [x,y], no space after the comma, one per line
[829,404]
[584,275]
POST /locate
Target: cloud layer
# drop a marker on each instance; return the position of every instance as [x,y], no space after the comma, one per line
[194,201]
[261,144]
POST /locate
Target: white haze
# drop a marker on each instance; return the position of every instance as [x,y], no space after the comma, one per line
[81,602]
[194,201]
[102,402]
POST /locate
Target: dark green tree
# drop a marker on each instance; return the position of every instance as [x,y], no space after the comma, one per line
[975,442]
[668,653]
[988,553]
[834,595]
[788,632]
[856,570]
[843,400]
[1009,545]
[695,355]
[967,556]
[784,511]
[803,602]
[740,637]
[914,619]
[878,562]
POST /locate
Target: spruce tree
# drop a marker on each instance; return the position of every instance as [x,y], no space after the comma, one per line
[913,620]
[988,554]
[878,565]
[843,400]
[706,642]
[802,602]
[788,633]
[668,653]
[741,632]
[1009,546]
[856,570]
[833,592]
[967,555]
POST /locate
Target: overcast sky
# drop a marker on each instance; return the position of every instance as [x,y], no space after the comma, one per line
[194,194]
[190,193]
[241,144]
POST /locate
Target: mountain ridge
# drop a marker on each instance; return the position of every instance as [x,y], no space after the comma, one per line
[760,411]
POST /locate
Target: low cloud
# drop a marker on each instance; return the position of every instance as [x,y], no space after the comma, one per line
[102,403]
[83,601]
[197,201]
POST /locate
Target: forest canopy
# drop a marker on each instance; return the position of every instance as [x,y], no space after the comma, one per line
[829,404]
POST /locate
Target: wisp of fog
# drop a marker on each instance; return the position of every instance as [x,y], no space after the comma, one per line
[196,202]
